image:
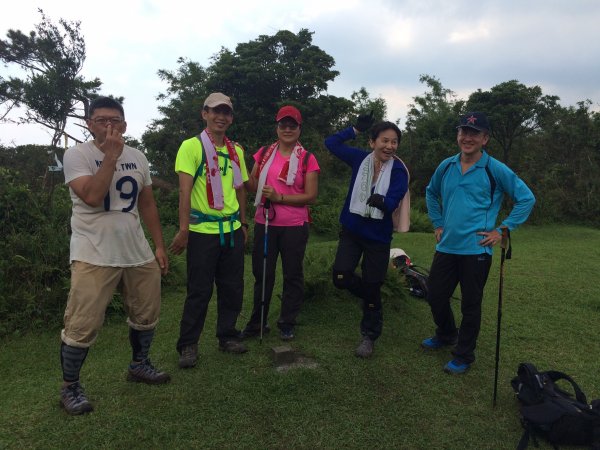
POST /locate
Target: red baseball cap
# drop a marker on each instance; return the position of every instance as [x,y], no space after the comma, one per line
[289,111]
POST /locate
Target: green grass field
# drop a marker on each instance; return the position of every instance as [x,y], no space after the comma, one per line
[400,399]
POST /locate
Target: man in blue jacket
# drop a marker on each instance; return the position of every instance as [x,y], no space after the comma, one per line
[464,198]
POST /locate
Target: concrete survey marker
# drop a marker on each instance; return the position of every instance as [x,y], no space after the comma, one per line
[286,358]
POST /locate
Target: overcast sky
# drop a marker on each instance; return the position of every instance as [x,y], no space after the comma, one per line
[383,45]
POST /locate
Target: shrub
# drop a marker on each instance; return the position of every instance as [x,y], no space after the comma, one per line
[34,274]
[318,262]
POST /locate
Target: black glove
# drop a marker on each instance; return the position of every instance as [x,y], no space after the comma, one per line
[364,122]
[376,201]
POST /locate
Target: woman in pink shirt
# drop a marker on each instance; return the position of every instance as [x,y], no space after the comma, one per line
[287,175]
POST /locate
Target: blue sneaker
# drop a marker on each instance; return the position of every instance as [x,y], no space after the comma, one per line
[433,343]
[456,367]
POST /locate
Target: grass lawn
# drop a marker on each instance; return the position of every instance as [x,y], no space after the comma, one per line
[400,399]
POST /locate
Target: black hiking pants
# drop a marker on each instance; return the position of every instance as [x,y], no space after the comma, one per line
[448,271]
[375,260]
[209,264]
[290,243]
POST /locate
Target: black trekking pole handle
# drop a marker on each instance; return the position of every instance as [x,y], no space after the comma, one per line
[503,244]
[266,207]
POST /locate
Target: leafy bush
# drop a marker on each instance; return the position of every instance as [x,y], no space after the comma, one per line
[34,274]
[332,194]
[318,262]
[419,220]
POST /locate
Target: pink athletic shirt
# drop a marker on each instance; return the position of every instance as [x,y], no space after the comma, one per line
[286,215]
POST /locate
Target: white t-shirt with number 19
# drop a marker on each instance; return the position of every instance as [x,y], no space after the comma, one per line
[110,234]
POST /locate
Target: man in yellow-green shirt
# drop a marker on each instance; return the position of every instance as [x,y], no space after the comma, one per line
[213,229]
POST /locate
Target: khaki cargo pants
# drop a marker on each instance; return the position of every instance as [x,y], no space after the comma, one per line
[92,289]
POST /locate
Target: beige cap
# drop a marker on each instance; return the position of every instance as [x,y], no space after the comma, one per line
[217,98]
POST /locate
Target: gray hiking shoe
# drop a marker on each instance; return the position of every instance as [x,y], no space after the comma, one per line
[145,372]
[365,348]
[73,399]
[188,357]
[286,334]
[232,346]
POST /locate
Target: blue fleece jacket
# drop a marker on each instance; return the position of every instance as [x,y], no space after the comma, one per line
[374,229]
[461,203]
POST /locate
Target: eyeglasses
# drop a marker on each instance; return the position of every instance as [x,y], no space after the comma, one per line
[107,120]
[222,110]
[287,126]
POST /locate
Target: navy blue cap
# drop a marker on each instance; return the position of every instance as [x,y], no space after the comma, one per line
[476,120]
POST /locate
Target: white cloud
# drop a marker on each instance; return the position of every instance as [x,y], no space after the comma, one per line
[477,35]
[383,45]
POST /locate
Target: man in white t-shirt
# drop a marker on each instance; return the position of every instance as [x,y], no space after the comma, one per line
[110,187]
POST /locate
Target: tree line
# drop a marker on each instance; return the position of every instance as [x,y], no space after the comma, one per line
[555,149]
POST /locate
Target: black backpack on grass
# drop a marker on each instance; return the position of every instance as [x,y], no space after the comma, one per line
[555,414]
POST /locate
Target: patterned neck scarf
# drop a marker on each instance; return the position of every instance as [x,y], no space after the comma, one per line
[214,185]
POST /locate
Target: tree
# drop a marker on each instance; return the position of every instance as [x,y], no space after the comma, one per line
[52,87]
[364,104]
[260,76]
[430,134]
[263,74]
[180,116]
[7,104]
[514,111]
[562,161]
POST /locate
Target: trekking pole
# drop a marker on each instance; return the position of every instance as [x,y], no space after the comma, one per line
[504,244]
[266,207]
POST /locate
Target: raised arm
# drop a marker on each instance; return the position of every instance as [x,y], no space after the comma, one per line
[336,145]
[93,188]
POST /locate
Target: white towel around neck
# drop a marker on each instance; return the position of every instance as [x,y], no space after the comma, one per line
[361,190]
[291,175]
